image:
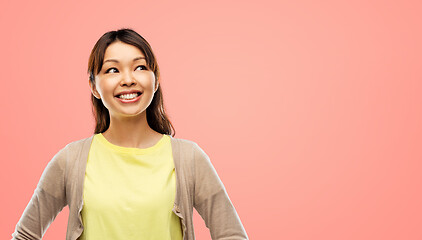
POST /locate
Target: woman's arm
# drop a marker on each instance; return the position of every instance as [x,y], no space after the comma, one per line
[48,200]
[212,201]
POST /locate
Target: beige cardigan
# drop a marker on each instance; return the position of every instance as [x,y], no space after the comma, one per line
[197,185]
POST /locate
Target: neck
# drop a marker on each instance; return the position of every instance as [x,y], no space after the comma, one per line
[131,132]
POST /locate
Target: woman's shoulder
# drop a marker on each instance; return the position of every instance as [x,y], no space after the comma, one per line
[185,144]
[192,149]
[78,144]
[72,149]
[81,141]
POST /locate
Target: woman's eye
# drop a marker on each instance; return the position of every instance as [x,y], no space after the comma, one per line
[108,70]
[142,66]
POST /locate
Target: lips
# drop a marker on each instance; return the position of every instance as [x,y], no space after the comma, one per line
[128,101]
[128,92]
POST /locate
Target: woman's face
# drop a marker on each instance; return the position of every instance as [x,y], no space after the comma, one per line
[124,69]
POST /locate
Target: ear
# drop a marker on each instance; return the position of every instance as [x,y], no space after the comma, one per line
[94,90]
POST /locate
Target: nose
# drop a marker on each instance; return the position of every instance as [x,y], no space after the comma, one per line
[127,79]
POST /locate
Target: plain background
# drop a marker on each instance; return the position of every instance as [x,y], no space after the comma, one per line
[310,111]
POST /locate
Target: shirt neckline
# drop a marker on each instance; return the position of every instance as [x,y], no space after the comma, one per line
[131,150]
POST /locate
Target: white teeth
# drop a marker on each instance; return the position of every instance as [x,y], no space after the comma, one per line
[128,96]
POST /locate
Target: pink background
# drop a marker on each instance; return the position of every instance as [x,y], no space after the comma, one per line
[310,111]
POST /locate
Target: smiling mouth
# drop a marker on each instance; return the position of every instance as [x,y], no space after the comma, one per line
[129,96]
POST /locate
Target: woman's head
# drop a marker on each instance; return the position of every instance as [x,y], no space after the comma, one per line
[106,79]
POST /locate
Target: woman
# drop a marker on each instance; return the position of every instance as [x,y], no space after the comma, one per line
[131,179]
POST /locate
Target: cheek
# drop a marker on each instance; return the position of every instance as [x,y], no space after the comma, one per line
[105,88]
[152,79]
[148,80]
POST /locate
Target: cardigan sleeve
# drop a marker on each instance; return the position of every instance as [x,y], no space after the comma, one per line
[47,200]
[212,201]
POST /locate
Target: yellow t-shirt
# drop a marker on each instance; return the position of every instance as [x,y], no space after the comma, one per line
[129,193]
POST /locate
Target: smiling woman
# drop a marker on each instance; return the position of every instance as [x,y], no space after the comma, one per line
[131,179]
[116,86]
[118,58]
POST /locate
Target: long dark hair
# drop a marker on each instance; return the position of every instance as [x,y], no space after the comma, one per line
[156,116]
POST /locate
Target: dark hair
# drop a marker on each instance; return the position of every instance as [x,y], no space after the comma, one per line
[156,116]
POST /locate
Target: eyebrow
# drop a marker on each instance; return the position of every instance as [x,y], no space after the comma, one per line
[114,60]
